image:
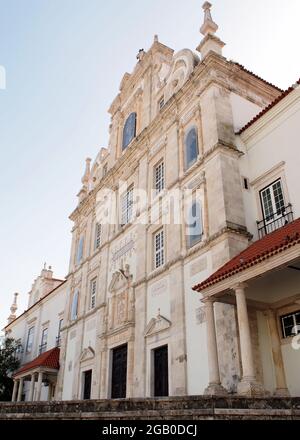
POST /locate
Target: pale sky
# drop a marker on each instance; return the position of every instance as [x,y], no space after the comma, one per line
[64,60]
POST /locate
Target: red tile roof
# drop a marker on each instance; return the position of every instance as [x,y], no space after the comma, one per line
[269,107]
[49,359]
[272,244]
[256,76]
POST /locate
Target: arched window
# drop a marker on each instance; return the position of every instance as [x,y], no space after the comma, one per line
[195,226]
[191,148]
[74,308]
[129,130]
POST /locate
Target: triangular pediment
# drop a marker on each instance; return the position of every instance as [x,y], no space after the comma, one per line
[118,282]
[157,325]
[87,354]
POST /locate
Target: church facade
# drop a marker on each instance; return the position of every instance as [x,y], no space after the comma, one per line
[184,187]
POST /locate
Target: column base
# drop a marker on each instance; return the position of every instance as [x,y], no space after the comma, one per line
[250,388]
[215,389]
[281,392]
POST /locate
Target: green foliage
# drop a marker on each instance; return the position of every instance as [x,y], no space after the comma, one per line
[8,364]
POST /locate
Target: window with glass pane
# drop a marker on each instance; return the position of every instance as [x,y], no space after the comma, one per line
[80,250]
[93,290]
[159,177]
[126,206]
[74,308]
[29,343]
[44,340]
[194,227]
[290,324]
[159,248]
[191,148]
[129,130]
[272,201]
[97,235]
[60,326]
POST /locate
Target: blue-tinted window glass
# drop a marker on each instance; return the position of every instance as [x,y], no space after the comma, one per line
[191,148]
[194,227]
[74,309]
[129,130]
[80,250]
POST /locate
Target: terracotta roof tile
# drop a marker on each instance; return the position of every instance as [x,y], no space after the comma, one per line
[269,107]
[49,359]
[260,250]
[255,76]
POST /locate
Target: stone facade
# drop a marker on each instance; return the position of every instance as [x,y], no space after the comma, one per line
[128,285]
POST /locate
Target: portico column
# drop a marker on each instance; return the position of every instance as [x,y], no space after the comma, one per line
[248,385]
[214,386]
[50,391]
[31,391]
[39,386]
[20,390]
[15,389]
[281,385]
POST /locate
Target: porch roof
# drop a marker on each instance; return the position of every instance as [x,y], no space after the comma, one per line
[49,359]
[270,245]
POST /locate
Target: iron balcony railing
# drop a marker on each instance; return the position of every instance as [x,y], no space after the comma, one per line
[275,221]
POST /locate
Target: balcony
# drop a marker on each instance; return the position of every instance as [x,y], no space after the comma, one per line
[42,348]
[275,221]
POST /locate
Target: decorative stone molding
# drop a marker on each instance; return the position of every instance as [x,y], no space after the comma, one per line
[157,325]
[87,354]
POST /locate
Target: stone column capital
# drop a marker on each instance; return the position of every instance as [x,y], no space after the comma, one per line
[240,286]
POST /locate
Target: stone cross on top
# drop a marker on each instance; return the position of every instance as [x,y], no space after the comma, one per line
[209,26]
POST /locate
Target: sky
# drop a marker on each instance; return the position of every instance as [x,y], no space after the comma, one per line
[64,61]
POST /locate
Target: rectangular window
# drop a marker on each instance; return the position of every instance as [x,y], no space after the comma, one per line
[194,227]
[161,103]
[126,206]
[43,345]
[158,245]
[272,201]
[290,324]
[58,339]
[93,291]
[30,337]
[104,170]
[159,177]
[79,250]
[97,236]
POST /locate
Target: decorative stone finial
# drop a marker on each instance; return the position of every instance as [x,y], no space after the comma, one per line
[155,38]
[87,173]
[210,42]
[13,309]
[209,26]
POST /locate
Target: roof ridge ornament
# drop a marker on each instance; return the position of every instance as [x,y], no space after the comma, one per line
[210,42]
[209,26]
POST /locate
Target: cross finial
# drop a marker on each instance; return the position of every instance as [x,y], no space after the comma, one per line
[209,26]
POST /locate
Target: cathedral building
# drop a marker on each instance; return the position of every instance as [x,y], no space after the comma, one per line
[184,270]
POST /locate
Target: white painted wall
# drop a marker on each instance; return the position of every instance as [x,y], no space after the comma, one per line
[272,140]
[242,111]
[197,363]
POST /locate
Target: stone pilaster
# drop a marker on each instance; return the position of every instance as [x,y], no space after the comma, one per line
[281,385]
